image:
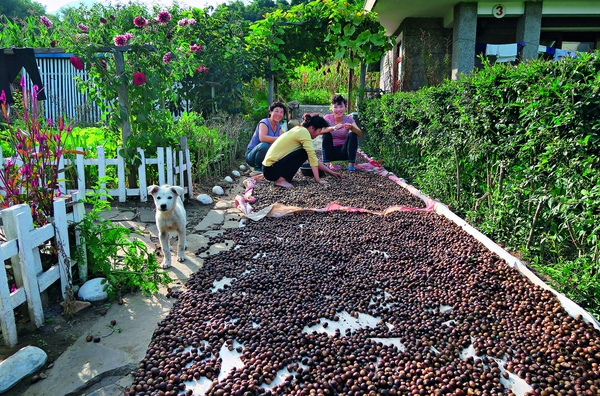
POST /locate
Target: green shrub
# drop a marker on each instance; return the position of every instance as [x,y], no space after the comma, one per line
[215,145]
[316,84]
[89,138]
[114,253]
[512,149]
[312,97]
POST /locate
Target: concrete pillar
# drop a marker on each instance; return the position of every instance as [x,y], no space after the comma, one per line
[463,38]
[529,27]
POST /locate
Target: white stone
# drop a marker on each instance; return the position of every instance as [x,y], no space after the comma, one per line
[243,167]
[24,362]
[228,179]
[218,190]
[235,173]
[213,218]
[93,290]
[205,199]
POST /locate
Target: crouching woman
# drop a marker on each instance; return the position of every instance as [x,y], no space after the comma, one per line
[292,149]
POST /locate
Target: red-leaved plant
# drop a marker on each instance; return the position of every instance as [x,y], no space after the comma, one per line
[31,175]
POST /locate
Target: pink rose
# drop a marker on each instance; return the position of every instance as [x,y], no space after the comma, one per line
[139,78]
[163,17]
[76,62]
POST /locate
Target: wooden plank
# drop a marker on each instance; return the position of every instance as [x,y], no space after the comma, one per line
[1,165]
[78,215]
[169,158]
[7,315]
[121,178]
[161,165]
[18,297]
[122,95]
[61,230]
[29,256]
[142,177]
[69,94]
[133,192]
[62,182]
[80,170]
[38,236]
[9,219]
[9,51]
[47,278]
[53,85]
[101,168]
[188,162]
[8,249]
[181,170]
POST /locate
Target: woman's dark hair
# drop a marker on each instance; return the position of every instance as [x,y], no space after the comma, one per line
[338,100]
[314,120]
[274,105]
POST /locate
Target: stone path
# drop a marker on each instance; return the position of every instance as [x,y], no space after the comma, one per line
[103,369]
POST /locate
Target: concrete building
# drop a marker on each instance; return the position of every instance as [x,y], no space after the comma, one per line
[438,39]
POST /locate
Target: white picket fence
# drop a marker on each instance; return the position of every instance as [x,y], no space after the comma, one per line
[174,167]
[23,241]
[22,248]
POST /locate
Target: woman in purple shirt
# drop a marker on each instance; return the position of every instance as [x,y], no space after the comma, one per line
[267,131]
[340,139]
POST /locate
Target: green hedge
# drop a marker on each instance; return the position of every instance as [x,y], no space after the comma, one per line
[514,151]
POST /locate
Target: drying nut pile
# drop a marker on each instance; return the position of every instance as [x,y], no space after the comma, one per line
[358,189]
[294,275]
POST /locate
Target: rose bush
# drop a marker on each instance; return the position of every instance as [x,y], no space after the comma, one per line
[101,34]
[170,58]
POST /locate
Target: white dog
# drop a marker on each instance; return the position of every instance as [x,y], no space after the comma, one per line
[170,217]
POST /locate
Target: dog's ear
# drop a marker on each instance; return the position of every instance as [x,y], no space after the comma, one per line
[178,190]
[153,189]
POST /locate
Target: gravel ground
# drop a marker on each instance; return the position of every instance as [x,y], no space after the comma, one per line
[345,303]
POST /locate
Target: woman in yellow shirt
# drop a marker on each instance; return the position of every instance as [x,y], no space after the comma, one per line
[292,149]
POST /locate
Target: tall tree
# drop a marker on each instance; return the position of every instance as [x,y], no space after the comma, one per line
[21,9]
[318,31]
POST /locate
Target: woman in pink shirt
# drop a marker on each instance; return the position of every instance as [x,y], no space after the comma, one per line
[340,139]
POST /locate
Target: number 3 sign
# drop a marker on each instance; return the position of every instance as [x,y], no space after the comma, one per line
[499,11]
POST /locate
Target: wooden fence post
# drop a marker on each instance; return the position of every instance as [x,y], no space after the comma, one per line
[121,176]
[181,169]
[62,181]
[61,233]
[169,158]
[78,215]
[161,165]
[18,224]
[188,164]
[142,176]
[122,94]
[7,302]
[80,164]
[101,168]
